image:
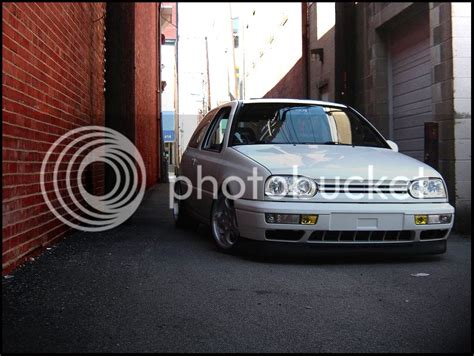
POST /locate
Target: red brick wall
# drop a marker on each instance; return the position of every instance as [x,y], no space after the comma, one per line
[52,82]
[291,85]
[146,89]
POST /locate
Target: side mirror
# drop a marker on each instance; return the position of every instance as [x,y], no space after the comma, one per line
[393,145]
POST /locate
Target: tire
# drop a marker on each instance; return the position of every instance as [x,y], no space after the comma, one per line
[182,218]
[224,227]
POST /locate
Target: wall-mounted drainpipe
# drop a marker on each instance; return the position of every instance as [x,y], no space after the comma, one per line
[304,43]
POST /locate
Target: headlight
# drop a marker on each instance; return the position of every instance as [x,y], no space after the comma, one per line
[426,188]
[299,187]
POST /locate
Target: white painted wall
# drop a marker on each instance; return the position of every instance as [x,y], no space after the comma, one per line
[192,20]
[168,72]
[221,55]
[461,42]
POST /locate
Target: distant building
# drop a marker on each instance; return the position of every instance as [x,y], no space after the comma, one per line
[269,50]
[190,49]
[169,83]
[206,63]
[222,54]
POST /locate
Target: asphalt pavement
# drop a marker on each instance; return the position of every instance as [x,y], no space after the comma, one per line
[149,287]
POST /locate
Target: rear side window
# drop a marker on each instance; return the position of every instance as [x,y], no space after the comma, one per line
[198,136]
[201,130]
[215,138]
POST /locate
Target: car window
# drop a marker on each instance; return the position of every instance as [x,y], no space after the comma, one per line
[201,130]
[279,123]
[216,132]
[197,137]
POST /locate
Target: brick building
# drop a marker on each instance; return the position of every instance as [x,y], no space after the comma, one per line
[64,66]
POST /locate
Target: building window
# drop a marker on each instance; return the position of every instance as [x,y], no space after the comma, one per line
[236,41]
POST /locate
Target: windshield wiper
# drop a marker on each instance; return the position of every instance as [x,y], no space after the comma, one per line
[294,143]
[336,143]
[323,143]
[317,143]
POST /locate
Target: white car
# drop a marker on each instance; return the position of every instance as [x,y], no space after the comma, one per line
[322,175]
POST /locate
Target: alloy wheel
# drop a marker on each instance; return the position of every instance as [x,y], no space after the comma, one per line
[224,223]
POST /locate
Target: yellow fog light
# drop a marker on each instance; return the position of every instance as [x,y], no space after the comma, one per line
[421,219]
[309,219]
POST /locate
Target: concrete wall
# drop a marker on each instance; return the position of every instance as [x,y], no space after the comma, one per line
[372,87]
[374,22]
[52,82]
[442,89]
[461,49]
[322,74]
[450,32]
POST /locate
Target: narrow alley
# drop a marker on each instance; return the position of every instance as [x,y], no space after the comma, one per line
[149,287]
[318,156]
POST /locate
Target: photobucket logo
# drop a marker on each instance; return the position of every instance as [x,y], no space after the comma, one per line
[366,187]
[62,176]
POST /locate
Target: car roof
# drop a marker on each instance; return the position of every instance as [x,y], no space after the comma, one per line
[292,101]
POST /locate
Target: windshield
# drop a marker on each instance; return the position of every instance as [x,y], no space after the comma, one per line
[278,123]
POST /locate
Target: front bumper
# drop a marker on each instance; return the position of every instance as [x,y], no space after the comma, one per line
[344,223]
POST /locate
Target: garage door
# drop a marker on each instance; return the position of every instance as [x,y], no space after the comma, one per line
[410,62]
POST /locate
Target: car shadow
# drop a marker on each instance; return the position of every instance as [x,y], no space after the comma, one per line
[309,256]
[290,253]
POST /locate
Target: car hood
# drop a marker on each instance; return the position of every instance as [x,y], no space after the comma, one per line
[332,161]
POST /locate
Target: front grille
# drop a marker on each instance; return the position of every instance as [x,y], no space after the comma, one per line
[284,235]
[356,236]
[346,186]
[433,234]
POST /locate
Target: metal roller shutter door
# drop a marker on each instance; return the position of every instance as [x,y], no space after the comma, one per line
[411,98]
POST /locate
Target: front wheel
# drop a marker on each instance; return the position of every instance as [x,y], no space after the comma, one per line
[224,224]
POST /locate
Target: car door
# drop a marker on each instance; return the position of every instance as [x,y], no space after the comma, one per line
[189,160]
[209,161]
